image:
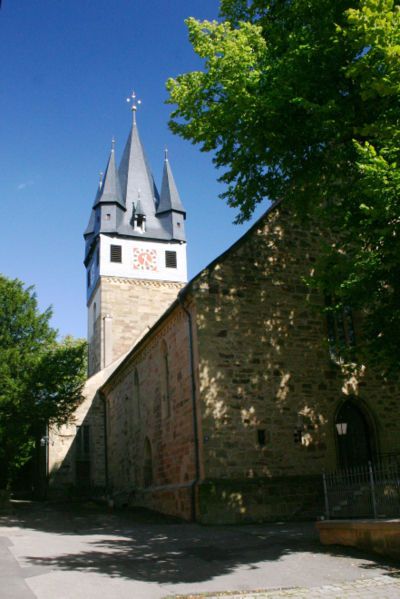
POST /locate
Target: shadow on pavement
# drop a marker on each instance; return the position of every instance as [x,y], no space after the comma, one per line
[144,546]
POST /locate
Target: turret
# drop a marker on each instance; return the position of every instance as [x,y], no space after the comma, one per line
[170,209]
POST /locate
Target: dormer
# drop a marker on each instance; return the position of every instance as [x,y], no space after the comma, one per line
[138,220]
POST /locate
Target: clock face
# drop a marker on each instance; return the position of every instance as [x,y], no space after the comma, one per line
[144,259]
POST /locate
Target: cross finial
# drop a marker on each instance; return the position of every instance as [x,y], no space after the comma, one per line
[135,103]
[166,153]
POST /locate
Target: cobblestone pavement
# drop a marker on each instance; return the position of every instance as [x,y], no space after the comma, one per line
[378,587]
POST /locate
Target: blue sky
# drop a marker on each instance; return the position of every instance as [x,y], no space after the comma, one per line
[67,67]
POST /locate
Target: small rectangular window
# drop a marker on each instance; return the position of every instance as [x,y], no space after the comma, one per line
[261,440]
[115,253]
[108,216]
[170,259]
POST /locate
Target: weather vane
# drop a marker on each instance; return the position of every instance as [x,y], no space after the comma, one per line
[135,103]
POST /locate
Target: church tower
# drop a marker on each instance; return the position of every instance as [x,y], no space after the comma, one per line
[135,252]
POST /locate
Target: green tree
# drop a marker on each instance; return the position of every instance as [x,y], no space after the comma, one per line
[299,101]
[40,378]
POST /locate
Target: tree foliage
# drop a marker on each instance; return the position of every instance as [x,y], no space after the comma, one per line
[40,378]
[299,101]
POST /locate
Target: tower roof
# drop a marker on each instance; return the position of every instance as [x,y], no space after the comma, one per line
[132,191]
[110,190]
[138,185]
[92,219]
[170,200]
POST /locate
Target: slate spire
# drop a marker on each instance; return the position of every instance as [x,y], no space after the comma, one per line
[137,180]
[110,191]
[128,204]
[108,208]
[170,200]
[170,211]
[90,228]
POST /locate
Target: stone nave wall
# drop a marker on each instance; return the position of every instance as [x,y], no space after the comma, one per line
[269,389]
[149,422]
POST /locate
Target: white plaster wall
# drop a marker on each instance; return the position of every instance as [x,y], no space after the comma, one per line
[126,267]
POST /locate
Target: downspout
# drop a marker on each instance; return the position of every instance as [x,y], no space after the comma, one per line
[194,409]
[103,397]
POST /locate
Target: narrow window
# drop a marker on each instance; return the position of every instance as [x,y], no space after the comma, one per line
[340,327]
[97,256]
[261,437]
[82,456]
[115,253]
[147,464]
[170,259]
[107,216]
[83,442]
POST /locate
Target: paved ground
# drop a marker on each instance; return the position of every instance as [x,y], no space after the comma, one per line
[49,552]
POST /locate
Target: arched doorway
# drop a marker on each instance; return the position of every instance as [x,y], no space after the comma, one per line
[354,435]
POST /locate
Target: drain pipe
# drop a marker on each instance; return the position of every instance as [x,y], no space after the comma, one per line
[106,481]
[194,407]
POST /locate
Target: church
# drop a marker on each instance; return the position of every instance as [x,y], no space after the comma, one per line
[220,399]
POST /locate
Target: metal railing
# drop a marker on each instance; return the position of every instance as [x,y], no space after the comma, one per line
[367,491]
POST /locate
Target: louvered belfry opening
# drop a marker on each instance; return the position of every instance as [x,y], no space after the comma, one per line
[170,259]
[115,253]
